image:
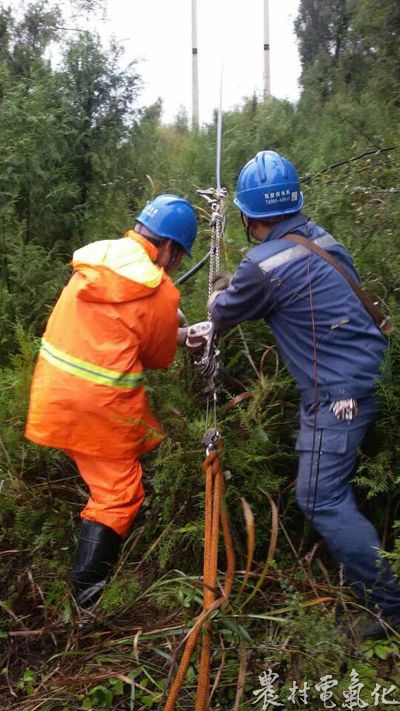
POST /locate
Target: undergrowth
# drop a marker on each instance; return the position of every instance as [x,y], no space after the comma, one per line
[103,158]
[123,653]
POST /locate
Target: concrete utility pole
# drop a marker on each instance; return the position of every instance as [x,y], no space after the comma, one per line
[195,68]
[267,74]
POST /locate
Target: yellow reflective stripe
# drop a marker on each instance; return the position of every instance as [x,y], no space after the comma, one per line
[89,371]
[125,257]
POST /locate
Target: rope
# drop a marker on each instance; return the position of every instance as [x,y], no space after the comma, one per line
[215,515]
[346,161]
[215,512]
[315,360]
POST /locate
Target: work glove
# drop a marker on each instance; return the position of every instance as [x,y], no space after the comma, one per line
[182,335]
[220,282]
[344,409]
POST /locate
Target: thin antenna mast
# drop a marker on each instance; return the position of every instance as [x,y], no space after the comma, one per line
[219,135]
[267,74]
[195,69]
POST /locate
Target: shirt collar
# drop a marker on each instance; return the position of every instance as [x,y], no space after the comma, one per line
[294,222]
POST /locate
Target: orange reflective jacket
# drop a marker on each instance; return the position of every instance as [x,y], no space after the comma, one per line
[116,316]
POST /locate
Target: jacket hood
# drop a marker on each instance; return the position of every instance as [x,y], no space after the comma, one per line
[117,270]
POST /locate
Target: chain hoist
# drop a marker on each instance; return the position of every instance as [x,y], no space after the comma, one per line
[201,342]
[201,337]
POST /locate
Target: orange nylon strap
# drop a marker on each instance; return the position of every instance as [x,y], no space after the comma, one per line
[215,512]
[214,474]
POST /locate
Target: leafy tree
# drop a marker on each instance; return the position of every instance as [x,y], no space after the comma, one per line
[98,98]
[321,27]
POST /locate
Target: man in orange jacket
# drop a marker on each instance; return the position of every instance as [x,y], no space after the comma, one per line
[117,316]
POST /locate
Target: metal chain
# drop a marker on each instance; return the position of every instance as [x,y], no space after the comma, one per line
[215,198]
[211,270]
[218,236]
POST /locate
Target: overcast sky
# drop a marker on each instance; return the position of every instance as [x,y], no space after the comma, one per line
[159,31]
[230,32]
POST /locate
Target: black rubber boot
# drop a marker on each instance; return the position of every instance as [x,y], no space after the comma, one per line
[96,555]
[372,627]
[365,625]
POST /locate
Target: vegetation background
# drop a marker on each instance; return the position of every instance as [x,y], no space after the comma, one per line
[77,160]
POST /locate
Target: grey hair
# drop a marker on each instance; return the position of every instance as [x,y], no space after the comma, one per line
[148,234]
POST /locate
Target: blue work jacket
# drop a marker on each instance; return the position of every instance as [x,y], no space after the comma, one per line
[321,327]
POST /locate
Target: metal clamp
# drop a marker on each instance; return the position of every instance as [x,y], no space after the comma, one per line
[211,439]
[213,196]
[200,341]
[208,194]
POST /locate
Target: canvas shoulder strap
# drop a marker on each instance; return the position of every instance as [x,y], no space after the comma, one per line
[383,322]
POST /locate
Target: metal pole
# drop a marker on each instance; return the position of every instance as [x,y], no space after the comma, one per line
[267,74]
[195,68]
[219,136]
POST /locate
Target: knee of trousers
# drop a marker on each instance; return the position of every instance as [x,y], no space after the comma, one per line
[326,461]
[116,490]
[329,505]
[311,494]
[307,500]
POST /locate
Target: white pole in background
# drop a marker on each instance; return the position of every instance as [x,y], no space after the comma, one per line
[195,69]
[267,74]
[219,134]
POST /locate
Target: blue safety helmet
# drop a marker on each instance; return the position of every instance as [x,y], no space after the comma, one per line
[268,186]
[171,217]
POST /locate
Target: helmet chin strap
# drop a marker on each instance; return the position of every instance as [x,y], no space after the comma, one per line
[247,228]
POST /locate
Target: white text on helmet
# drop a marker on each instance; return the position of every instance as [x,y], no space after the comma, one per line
[278,196]
[151,210]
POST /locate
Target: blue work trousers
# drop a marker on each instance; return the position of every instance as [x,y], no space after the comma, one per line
[327,457]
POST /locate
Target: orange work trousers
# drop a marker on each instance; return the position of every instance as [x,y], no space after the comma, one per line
[116,490]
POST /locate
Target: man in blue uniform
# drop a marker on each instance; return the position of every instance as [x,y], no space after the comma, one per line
[334,351]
